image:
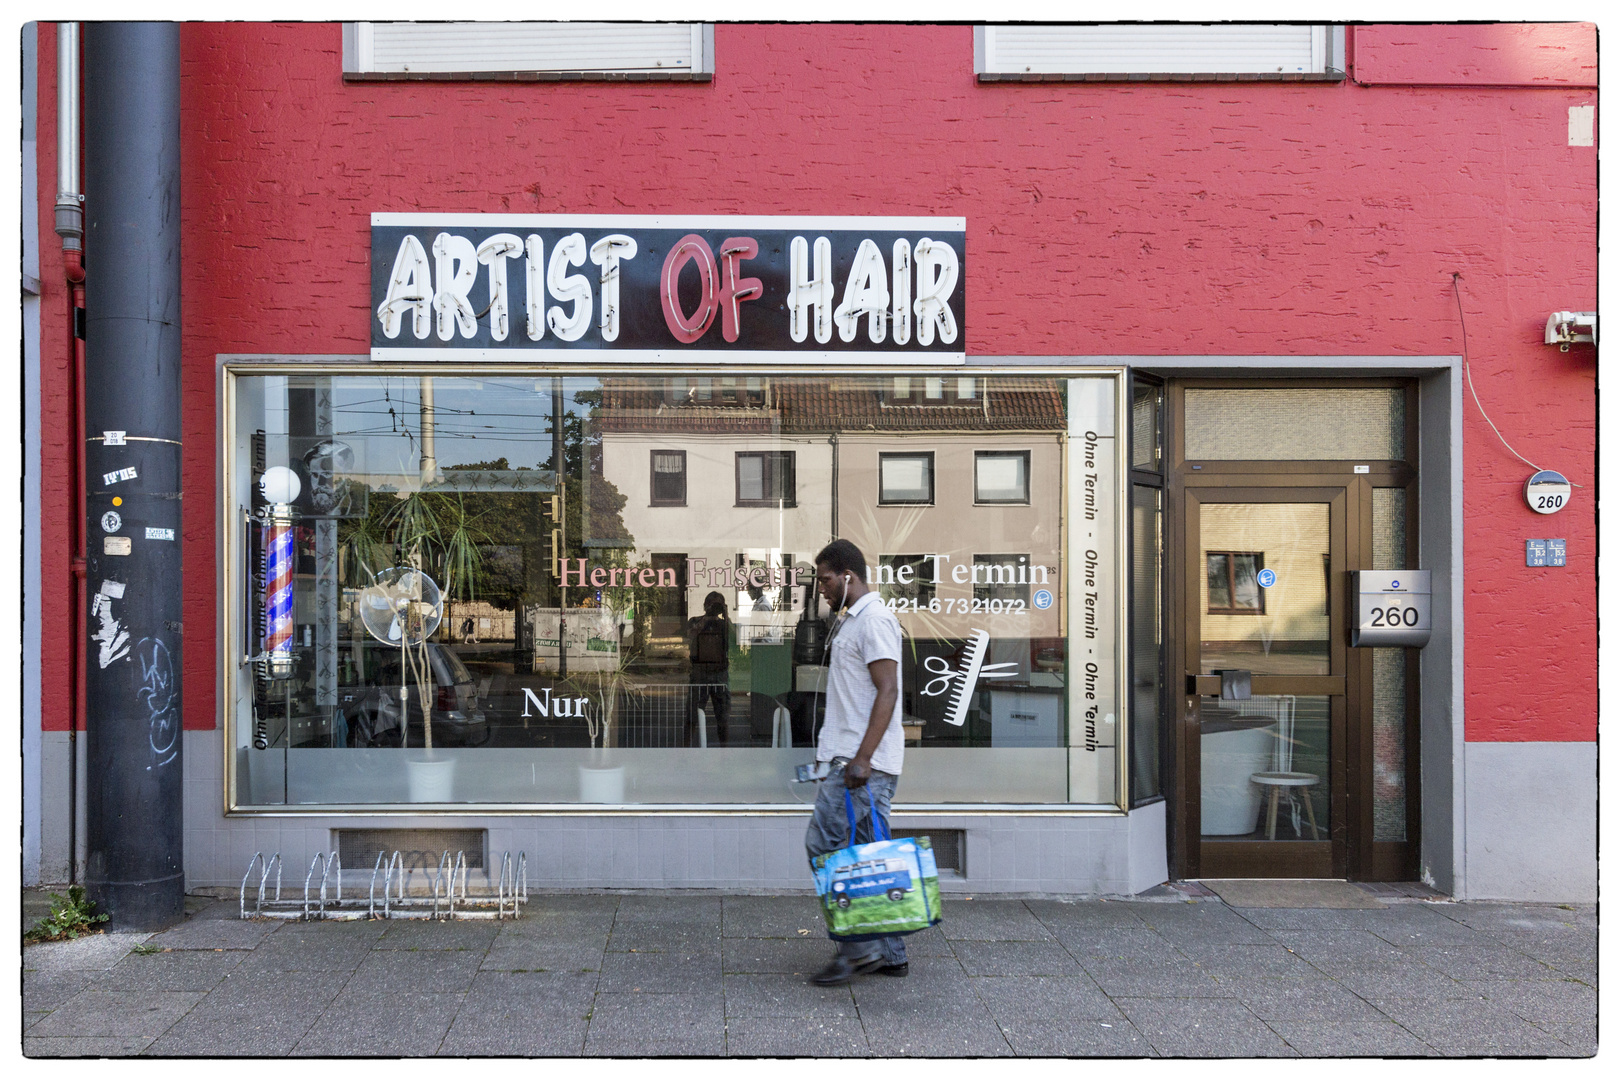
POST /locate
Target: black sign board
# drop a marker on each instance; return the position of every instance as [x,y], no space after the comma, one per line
[506,286]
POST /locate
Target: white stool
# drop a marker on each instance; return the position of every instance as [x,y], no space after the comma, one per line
[1275,782]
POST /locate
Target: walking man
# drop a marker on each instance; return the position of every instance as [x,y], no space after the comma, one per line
[861,737]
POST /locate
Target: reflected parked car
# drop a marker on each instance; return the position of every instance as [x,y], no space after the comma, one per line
[372,711]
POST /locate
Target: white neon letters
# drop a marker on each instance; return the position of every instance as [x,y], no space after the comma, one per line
[455,268]
[902,292]
[570,251]
[606,253]
[889,281]
[805,292]
[936,280]
[493,253]
[410,285]
[865,292]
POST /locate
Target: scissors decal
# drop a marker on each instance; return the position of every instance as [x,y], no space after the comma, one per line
[945,675]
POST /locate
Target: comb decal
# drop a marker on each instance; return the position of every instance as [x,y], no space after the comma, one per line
[962,682]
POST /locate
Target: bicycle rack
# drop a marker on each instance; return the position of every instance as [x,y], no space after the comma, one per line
[442,893]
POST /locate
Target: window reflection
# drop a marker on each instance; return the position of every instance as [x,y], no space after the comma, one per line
[620,568]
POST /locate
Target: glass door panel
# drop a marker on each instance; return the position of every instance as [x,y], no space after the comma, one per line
[1263,599]
[1260,596]
[1264,768]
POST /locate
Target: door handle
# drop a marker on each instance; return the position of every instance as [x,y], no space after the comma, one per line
[1266,685]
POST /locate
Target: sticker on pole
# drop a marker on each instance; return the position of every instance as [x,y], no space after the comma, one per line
[1266,578]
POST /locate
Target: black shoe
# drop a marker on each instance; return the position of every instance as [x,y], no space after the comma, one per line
[898,971]
[842,969]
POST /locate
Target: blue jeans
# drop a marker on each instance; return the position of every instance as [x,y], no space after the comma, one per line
[829,831]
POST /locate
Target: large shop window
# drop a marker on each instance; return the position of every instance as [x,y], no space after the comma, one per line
[502,590]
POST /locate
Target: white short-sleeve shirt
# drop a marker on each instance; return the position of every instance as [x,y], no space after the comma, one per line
[869,632]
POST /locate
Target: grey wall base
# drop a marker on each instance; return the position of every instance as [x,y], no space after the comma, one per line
[1530,821]
[1061,854]
[51,867]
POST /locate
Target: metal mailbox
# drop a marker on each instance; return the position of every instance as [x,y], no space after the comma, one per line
[1392,608]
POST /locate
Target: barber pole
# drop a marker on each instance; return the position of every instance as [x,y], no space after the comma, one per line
[278,597]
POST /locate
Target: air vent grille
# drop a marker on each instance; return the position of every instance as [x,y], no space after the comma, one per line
[419,849]
[947,845]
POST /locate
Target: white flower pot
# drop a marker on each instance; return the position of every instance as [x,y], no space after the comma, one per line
[431,781]
[601,784]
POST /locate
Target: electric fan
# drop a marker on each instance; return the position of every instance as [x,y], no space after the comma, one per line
[403,607]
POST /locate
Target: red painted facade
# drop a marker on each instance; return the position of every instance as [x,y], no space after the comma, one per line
[1164,219]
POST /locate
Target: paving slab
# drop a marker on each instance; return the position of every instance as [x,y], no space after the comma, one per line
[428,934]
[703,910]
[803,956]
[1121,944]
[1175,978]
[43,991]
[253,1034]
[1540,1002]
[392,1024]
[35,1046]
[1582,1039]
[177,971]
[92,952]
[518,954]
[1205,923]
[1340,946]
[437,971]
[1310,1000]
[657,937]
[992,920]
[1039,998]
[1401,981]
[1472,1028]
[217,933]
[770,916]
[1378,1038]
[661,972]
[1067,1037]
[1203,1028]
[963,1036]
[1247,961]
[796,1036]
[1469,962]
[100,1013]
[1015,958]
[634,1022]
[784,995]
[1064,915]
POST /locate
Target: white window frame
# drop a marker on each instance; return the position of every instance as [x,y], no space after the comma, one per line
[360,65]
[990,64]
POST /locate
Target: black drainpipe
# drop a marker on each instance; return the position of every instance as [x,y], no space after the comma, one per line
[133,867]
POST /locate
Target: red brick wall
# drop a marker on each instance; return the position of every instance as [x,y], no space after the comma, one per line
[1103,218]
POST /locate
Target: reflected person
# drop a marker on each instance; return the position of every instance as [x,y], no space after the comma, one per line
[710,680]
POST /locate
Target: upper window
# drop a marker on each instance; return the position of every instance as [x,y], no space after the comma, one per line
[1234,582]
[765,479]
[1177,51]
[528,50]
[1001,476]
[669,477]
[929,390]
[906,479]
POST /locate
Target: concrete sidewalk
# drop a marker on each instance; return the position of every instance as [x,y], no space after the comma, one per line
[638,974]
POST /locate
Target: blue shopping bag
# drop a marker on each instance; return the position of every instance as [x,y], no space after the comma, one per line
[879,889]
